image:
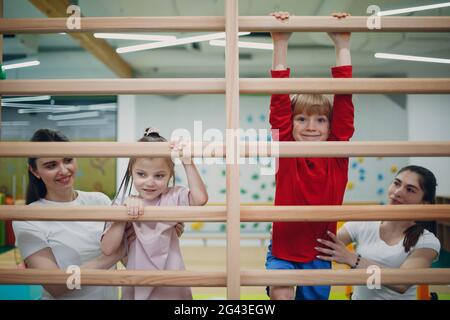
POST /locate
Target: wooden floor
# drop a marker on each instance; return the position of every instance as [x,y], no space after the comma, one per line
[214,259]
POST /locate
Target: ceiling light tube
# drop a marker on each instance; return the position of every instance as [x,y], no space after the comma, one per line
[35,110]
[180,41]
[413,9]
[81,115]
[15,123]
[21,65]
[37,106]
[243,44]
[22,99]
[410,58]
[127,36]
[92,122]
[49,109]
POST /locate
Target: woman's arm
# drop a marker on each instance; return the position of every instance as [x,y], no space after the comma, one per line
[337,251]
[44,259]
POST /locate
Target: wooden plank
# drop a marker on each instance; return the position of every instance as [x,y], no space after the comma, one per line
[217,86]
[217,23]
[1,63]
[103,149]
[343,277]
[218,279]
[349,24]
[218,149]
[353,85]
[97,47]
[345,213]
[232,150]
[352,149]
[218,213]
[112,213]
[112,86]
[116,277]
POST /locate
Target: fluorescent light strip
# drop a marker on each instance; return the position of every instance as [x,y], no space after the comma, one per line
[53,108]
[93,122]
[47,110]
[162,44]
[15,123]
[409,58]
[21,65]
[22,99]
[413,9]
[243,44]
[127,36]
[34,110]
[81,115]
[101,107]
[34,105]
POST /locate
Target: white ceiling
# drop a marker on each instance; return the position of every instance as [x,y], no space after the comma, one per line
[310,54]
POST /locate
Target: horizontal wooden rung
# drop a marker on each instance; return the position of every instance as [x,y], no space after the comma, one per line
[283,149]
[344,277]
[217,86]
[217,23]
[218,279]
[218,213]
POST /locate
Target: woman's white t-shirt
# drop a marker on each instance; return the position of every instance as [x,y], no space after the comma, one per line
[72,242]
[369,245]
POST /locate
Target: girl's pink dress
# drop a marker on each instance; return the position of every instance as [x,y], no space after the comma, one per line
[157,247]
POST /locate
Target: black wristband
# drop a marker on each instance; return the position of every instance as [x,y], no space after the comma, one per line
[358,258]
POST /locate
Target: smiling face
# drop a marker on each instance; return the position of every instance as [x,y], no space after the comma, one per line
[311,117]
[406,189]
[151,177]
[56,173]
[313,127]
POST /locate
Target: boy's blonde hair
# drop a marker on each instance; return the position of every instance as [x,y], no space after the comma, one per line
[310,104]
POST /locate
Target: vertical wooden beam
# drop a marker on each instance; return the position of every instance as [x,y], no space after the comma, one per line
[1,62]
[232,152]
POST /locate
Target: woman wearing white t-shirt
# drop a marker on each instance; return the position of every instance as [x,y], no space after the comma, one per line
[60,244]
[389,244]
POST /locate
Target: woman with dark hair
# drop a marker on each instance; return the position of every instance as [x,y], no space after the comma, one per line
[389,244]
[60,244]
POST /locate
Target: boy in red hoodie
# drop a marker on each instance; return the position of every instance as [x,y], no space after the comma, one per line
[307,181]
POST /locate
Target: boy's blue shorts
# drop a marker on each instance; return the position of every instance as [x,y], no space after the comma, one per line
[302,292]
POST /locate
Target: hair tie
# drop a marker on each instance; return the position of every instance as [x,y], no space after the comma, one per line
[150,130]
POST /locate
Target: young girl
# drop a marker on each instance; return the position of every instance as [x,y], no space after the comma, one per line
[156,246]
[389,244]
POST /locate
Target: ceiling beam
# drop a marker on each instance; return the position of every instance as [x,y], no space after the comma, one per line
[98,47]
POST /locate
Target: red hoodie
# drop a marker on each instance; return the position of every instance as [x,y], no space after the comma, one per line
[309,181]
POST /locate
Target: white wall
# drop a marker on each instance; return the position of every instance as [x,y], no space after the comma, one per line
[428,120]
[377,118]
[126,122]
